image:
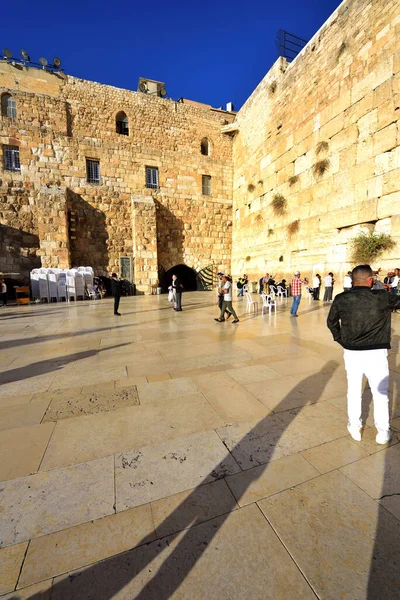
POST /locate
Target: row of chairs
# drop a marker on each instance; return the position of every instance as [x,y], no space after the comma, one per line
[281,292]
[268,303]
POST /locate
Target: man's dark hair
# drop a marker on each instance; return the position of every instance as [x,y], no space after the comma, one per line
[114,275]
[361,272]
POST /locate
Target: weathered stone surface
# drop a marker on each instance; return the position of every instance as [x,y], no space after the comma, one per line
[77,404]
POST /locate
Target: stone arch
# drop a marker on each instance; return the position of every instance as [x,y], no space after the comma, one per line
[122,123]
[186,274]
[8,106]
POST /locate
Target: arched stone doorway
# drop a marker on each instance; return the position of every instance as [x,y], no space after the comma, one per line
[187,275]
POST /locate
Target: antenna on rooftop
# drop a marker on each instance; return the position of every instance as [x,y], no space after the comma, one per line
[7,53]
[25,55]
[43,61]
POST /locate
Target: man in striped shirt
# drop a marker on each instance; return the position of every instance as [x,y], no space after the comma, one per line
[296,292]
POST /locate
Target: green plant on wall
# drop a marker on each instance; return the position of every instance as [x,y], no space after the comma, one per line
[322,147]
[248,258]
[279,204]
[293,179]
[293,227]
[367,247]
[251,187]
[321,166]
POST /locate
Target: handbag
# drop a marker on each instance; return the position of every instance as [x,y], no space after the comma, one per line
[170,296]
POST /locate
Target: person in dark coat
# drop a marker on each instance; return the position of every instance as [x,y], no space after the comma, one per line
[177,288]
[116,290]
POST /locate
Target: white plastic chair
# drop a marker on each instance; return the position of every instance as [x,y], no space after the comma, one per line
[252,305]
[268,303]
[246,288]
[282,292]
[91,292]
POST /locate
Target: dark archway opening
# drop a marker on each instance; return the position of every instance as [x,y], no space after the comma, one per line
[187,275]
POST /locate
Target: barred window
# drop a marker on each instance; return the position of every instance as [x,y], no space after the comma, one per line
[206,185]
[8,106]
[92,170]
[152,177]
[122,123]
[11,158]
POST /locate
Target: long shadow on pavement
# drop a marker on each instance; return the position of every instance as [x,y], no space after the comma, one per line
[107,579]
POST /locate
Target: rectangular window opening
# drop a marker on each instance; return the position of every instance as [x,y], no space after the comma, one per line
[11,158]
[152,177]
[92,170]
[206,185]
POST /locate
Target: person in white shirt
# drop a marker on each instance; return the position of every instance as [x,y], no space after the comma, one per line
[347,282]
[3,292]
[328,282]
[316,282]
[395,282]
[227,301]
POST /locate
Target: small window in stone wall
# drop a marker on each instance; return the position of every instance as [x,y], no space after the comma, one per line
[152,177]
[92,170]
[8,106]
[205,147]
[11,158]
[206,185]
[122,123]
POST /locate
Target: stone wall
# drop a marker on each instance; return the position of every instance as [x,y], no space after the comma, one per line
[324,133]
[71,120]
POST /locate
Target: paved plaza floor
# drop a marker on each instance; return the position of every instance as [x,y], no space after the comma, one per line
[163,455]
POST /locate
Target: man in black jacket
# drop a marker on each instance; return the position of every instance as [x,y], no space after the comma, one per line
[116,290]
[359,320]
[177,288]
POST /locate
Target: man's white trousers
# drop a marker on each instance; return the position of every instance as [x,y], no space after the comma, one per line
[374,365]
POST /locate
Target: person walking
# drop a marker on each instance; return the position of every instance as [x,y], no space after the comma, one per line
[177,288]
[3,292]
[227,300]
[360,321]
[316,282]
[296,292]
[116,290]
[347,282]
[328,283]
[221,295]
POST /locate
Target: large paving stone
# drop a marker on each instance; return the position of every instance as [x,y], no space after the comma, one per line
[345,544]
[379,476]
[276,436]
[333,455]
[94,436]
[79,404]
[76,547]
[230,400]
[238,557]
[22,415]
[154,472]
[22,449]
[10,566]
[257,483]
[185,509]
[47,502]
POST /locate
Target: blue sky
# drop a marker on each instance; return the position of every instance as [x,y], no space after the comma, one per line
[210,51]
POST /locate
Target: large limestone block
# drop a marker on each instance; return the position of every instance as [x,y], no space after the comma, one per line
[391,179]
[383,226]
[351,215]
[388,205]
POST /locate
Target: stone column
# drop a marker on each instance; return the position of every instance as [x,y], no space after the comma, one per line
[144,227]
[53,227]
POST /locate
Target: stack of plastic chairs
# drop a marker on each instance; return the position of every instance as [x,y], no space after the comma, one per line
[79,285]
[35,284]
[44,285]
[62,286]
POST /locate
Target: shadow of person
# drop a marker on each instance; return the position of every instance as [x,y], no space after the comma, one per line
[48,366]
[384,582]
[158,568]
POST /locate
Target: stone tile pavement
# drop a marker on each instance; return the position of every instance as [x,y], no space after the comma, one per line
[162,455]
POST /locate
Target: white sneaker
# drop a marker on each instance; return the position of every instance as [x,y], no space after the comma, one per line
[355,433]
[383,437]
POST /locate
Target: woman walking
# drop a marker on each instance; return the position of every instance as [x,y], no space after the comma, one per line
[227,301]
